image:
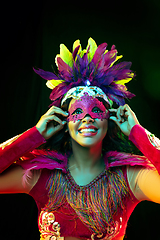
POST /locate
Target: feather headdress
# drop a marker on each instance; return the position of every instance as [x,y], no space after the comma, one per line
[94,65]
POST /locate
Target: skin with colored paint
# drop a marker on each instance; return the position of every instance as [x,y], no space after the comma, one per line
[87,122]
[87,132]
[86,136]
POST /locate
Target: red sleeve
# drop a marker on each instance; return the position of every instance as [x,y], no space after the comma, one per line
[14,148]
[147,143]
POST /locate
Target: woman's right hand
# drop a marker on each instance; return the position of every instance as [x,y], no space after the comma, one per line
[46,125]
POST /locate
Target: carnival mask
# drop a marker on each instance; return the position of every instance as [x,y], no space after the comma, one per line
[87,105]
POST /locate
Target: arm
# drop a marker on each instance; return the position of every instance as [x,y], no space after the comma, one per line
[145,141]
[18,146]
[11,180]
[13,149]
[11,177]
[144,183]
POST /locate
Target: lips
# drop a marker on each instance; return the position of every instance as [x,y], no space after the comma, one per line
[88,130]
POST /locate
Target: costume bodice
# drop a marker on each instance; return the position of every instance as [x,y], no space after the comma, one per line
[64,221]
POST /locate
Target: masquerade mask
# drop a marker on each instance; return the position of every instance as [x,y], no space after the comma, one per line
[87,105]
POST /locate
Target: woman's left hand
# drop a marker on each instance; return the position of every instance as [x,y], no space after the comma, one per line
[125,118]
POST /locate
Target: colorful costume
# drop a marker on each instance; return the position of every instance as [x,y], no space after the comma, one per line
[100,209]
[63,220]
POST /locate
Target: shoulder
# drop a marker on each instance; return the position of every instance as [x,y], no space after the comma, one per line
[144,183]
[39,190]
[133,174]
[39,179]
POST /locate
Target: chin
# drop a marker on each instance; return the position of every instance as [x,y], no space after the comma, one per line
[89,142]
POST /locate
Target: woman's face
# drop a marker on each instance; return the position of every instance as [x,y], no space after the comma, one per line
[87,121]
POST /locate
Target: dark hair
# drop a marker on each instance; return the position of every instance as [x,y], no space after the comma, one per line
[114,140]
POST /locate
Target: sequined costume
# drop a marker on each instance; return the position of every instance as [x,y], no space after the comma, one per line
[64,221]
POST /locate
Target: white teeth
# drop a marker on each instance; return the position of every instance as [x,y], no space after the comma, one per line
[87,130]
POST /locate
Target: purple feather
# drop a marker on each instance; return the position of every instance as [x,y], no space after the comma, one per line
[46,75]
[59,91]
[74,54]
[119,90]
[80,63]
[109,57]
[98,72]
[121,65]
[113,47]
[98,53]
[64,69]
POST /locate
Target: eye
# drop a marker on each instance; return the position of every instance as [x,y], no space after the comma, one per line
[77,111]
[96,110]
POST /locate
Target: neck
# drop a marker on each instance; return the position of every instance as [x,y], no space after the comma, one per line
[86,158]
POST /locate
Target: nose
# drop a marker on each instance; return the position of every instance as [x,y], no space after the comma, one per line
[87,119]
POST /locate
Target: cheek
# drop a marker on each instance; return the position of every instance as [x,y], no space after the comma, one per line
[72,127]
[105,123]
[104,126]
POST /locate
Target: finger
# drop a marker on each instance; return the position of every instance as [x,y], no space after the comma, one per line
[58,128]
[126,110]
[51,110]
[52,130]
[122,110]
[119,113]
[60,111]
[57,110]
[115,113]
[115,120]
[49,118]
[112,110]
[57,119]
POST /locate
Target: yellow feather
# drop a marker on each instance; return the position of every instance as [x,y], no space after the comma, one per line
[93,48]
[76,44]
[66,55]
[126,80]
[58,55]
[117,58]
[53,83]
[82,53]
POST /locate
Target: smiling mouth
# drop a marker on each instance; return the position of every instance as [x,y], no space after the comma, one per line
[88,130]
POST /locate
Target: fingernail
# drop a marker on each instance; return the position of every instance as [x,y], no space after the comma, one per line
[66,113]
[63,122]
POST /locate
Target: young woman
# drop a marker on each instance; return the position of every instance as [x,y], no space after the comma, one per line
[78,162]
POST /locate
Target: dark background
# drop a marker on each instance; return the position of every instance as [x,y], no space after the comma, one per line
[30,36]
